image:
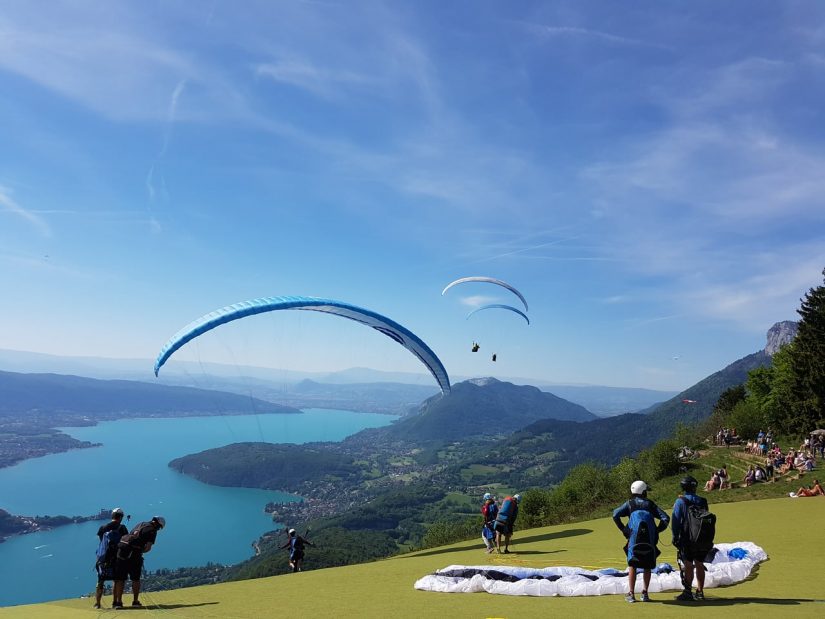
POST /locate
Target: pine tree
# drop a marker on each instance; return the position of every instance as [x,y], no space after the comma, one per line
[808,362]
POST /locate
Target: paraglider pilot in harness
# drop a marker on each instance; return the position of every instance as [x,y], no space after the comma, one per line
[296,544]
[642,535]
[475,347]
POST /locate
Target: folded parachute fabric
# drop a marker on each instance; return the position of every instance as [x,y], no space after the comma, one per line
[732,563]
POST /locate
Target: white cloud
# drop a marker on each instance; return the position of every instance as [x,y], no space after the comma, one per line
[11,206]
[304,75]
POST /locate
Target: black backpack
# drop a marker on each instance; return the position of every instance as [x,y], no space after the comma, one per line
[698,529]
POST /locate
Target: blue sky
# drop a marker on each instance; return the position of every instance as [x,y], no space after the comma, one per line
[650,175]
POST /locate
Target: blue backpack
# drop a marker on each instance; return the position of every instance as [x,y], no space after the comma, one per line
[107,548]
[641,545]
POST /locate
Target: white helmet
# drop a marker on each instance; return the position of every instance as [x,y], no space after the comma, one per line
[487,496]
[117,511]
[291,532]
[517,498]
[638,487]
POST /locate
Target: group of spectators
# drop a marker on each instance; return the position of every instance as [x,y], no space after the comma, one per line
[776,461]
[726,437]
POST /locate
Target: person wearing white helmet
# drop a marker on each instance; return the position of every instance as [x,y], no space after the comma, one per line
[489,511]
[130,553]
[107,551]
[642,535]
[296,545]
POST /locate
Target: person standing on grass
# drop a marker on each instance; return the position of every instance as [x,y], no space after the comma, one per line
[129,562]
[642,536]
[691,553]
[489,511]
[505,521]
[107,551]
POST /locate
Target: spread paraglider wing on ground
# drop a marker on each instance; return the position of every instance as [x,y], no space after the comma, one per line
[500,306]
[388,327]
[490,280]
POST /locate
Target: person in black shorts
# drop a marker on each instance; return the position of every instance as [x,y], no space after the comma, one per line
[130,553]
[692,563]
[105,565]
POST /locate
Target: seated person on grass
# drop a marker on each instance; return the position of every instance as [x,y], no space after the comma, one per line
[814,490]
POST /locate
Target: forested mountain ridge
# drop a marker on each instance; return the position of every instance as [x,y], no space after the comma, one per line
[484,406]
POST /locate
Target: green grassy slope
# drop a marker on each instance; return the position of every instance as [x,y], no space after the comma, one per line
[788,584]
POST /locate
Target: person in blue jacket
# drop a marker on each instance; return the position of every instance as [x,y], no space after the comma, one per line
[642,535]
[691,562]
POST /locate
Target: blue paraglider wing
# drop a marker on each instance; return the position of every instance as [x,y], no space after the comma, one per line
[489,280]
[500,306]
[388,327]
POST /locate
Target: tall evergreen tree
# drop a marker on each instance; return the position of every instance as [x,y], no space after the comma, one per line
[808,361]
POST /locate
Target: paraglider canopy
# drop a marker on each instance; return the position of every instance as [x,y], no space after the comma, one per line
[380,323]
[489,280]
[500,306]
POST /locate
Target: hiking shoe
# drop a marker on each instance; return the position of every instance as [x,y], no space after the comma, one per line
[97,605]
[117,605]
[507,551]
[645,596]
[699,596]
[685,596]
[630,598]
[137,603]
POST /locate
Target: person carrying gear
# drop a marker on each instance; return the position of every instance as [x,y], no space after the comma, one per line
[505,521]
[129,563]
[109,536]
[489,511]
[693,528]
[642,535]
[296,545]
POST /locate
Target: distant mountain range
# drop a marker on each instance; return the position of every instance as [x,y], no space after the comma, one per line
[60,394]
[360,389]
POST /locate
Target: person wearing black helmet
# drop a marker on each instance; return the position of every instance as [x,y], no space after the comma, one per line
[130,553]
[690,559]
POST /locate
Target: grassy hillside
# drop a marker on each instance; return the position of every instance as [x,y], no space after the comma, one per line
[787,585]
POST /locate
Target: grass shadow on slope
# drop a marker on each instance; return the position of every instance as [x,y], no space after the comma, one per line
[737,601]
[516,541]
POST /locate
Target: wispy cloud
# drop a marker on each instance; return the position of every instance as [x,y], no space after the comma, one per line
[477,300]
[9,205]
[304,75]
[590,33]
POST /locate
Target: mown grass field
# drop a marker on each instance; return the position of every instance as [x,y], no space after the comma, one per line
[789,584]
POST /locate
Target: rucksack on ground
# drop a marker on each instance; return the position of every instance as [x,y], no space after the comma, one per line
[698,529]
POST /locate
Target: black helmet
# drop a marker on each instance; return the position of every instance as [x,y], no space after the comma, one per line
[688,483]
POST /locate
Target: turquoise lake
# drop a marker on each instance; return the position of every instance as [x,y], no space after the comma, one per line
[204,523]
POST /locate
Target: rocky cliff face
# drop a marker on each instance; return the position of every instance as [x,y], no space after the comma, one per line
[780,334]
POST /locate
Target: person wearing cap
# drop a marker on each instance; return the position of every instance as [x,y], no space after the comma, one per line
[103,574]
[639,501]
[296,545]
[692,563]
[489,511]
[505,521]
[130,553]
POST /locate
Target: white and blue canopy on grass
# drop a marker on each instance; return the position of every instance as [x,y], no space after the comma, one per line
[500,306]
[489,280]
[380,323]
[731,564]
